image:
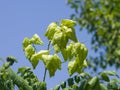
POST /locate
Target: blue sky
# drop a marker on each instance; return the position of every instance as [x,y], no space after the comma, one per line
[23,18]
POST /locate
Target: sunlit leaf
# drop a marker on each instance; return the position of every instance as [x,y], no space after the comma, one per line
[22,69]
[112,73]
[69,50]
[26,42]
[64,54]
[85,63]
[70,33]
[36,40]
[113,84]
[29,51]
[57,87]
[63,85]
[52,63]
[68,23]
[93,81]
[51,30]
[84,74]
[72,67]
[58,38]
[56,48]
[38,56]
[103,87]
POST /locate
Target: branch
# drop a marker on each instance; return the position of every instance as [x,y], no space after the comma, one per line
[46,68]
[19,81]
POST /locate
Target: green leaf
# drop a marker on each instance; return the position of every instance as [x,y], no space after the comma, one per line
[103,87]
[68,88]
[34,62]
[85,51]
[93,81]
[56,48]
[76,66]
[5,75]
[51,30]
[38,56]
[70,33]
[117,52]
[69,50]
[77,79]
[70,81]
[64,54]
[68,23]
[29,51]
[26,42]
[52,63]
[72,67]
[11,59]
[105,75]
[39,86]
[83,75]
[83,84]
[115,83]
[116,80]
[36,40]
[112,73]
[58,38]
[57,87]
[80,63]
[75,87]
[85,63]
[76,48]
[63,85]
[22,69]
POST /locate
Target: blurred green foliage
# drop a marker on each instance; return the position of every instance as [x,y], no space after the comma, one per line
[101,19]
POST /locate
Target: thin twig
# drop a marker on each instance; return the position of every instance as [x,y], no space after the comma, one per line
[46,68]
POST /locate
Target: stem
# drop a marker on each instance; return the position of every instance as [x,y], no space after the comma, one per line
[44,74]
[45,67]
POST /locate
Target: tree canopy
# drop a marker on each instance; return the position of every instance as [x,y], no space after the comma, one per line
[101,18]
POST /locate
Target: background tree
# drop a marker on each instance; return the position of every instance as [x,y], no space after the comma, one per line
[101,19]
